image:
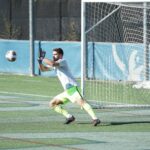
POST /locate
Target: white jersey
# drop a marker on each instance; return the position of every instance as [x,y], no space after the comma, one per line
[66,78]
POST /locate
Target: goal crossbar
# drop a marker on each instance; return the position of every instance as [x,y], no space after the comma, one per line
[102,19]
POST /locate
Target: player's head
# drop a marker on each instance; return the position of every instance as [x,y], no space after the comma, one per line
[57,54]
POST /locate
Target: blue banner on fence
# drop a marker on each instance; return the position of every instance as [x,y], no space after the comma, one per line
[22,63]
[105,61]
[114,61]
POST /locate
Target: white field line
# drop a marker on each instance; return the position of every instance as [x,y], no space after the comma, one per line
[24,80]
[23,108]
[40,106]
[25,94]
[98,140]
[101,136]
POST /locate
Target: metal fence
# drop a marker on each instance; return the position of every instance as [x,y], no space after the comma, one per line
[54,20]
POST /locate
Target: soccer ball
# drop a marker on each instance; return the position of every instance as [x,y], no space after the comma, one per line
[11,55]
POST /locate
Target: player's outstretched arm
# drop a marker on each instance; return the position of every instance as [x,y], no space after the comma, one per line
[50,62]
[43,68]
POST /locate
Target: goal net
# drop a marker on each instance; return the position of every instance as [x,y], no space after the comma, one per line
[115,54]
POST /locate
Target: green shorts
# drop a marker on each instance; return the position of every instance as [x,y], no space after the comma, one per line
[72,94]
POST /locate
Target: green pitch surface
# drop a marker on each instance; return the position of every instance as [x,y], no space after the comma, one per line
[26,122]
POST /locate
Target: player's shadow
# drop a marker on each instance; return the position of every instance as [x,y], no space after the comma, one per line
[116,123]
[126,122]
[84,122]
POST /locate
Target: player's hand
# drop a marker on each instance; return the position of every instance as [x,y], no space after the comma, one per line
[42,54]
[40,59]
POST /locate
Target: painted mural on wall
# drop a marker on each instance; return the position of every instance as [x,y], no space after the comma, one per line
[117,61]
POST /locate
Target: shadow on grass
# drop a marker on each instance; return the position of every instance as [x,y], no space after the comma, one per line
[116,123]
[127,122]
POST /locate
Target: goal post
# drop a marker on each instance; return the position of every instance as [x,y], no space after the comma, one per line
[115,53]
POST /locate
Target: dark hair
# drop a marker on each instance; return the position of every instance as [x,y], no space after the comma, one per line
[59,51]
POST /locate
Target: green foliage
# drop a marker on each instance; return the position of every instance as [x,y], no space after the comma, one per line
[11,31]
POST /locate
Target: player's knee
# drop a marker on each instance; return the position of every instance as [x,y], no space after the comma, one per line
[80,102]
[52,103]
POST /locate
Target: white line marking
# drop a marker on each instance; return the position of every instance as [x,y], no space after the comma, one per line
[25,94]
[24,80]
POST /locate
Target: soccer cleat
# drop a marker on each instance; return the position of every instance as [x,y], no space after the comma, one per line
[69,120]
[96,122]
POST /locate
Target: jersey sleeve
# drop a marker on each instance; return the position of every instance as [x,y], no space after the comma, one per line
[61,62]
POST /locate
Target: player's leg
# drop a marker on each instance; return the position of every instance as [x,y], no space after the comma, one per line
[75,97]
[82,103]
[89,110]
[56,104]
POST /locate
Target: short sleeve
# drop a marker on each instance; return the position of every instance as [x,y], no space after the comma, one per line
[61,62]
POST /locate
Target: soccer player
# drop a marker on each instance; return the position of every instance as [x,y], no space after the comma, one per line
[71,92]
